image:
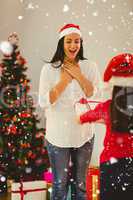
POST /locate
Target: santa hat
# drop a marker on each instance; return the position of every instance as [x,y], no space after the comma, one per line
[68,29]
[120,66]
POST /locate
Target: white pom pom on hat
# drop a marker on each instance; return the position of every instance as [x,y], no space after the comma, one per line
[68,29]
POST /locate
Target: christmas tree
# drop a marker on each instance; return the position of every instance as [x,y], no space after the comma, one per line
[23,155]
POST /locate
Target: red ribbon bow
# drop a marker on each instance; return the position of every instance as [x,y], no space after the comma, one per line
[24,192]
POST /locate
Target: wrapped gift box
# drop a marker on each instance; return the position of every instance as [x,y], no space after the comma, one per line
[93,183]
[33,190]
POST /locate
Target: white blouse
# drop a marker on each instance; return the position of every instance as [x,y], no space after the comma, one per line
[62,129]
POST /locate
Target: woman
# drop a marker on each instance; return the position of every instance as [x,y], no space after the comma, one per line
[116,159]
[65,79]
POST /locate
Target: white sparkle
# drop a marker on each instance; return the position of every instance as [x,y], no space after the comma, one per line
[2,178]
[115,50]
[47,14]
[109,17]
[131,131]
[28,170]
[98,192]
[95,14]
[123,188]
[20,17]
[50,189]
[80,184]
[131,13]
[113,5]
[128,59]
[65,8]
[90,1]
[113,160]
[71,179]
[90,33]
[30,6]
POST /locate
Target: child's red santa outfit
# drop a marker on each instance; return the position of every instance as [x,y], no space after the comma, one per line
[116,159]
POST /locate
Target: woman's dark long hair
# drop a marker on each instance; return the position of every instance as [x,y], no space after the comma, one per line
[121,110]
[59,55]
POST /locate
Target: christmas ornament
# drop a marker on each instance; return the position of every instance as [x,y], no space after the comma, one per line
[19,162]
[25,115]
[12,129]
[29,154]
[28,170]
[40,135]
[3,184]
[6,48]
[13,38]
[38,162]
[20,60]
[25,145]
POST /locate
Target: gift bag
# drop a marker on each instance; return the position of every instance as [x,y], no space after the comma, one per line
[33,190]
[93,183]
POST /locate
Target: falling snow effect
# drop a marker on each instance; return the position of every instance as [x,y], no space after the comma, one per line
[65,8]
[104,1]
[90,1]
[95,14]
[110,25]
[20,17]
[30,6]
[90,33]
[113,160]
[107,26]
[47,14]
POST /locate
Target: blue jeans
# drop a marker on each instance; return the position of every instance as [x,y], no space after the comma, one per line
[66,174]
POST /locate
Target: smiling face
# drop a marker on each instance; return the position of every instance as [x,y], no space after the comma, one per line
[72,44]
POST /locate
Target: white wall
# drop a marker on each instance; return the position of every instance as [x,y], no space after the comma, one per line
[106,27]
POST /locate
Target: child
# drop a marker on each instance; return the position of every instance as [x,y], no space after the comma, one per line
[116,159]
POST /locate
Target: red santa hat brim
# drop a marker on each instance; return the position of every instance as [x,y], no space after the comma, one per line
[68,29]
